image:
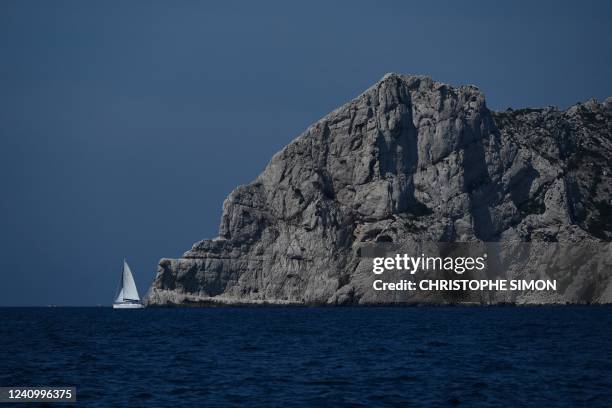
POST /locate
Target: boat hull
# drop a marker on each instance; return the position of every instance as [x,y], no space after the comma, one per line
[128,306]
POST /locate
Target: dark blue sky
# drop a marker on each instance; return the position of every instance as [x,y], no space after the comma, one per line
[123,125]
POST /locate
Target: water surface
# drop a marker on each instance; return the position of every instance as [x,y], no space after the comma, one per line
[421,356]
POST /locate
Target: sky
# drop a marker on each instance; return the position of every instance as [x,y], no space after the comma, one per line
[124,125]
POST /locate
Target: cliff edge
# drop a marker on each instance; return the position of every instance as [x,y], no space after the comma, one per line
[409,160]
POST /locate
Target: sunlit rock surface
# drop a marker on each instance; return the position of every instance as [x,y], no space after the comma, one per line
[409,160]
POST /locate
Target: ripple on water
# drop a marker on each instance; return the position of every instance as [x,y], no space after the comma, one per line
[310,356]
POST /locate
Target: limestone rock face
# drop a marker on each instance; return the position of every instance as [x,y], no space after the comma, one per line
[409,160]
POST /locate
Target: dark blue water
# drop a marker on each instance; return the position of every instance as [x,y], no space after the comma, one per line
[557,356]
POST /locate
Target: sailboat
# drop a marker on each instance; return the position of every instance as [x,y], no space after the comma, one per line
[128,294]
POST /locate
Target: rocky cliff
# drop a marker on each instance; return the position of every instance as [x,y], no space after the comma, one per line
[409,160]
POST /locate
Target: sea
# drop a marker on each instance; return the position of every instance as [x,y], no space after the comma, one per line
[306,356]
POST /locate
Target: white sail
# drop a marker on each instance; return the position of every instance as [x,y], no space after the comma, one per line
[128,290]
[119,298]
